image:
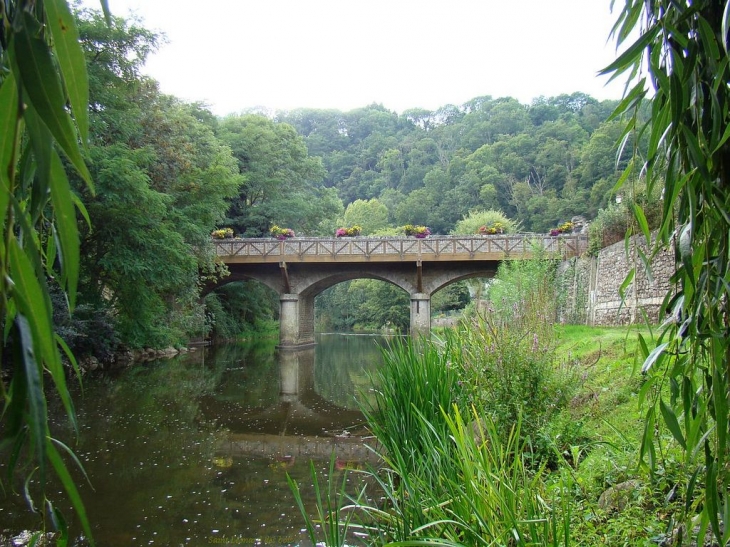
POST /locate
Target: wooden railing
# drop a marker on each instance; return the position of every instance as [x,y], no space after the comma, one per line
[394,249]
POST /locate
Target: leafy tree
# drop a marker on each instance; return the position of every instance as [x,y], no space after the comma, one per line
[240,307]
[371,215]
[451,298]
[380,304]
[416,208]
[681,52]
[283,184]
[164,181]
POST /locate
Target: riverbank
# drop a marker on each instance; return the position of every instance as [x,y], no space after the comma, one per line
[483,447]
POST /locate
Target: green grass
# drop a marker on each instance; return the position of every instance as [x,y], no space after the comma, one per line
[610,380]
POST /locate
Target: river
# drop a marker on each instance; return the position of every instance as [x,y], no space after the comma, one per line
[195,450]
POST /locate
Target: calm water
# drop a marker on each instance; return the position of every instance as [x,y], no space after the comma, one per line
[195,450]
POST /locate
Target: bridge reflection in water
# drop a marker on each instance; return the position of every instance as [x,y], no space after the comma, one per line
[299,422]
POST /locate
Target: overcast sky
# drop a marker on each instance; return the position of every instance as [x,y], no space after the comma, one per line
[345,54]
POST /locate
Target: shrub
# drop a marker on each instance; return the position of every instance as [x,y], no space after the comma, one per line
[609,227]
[613,222]
[222,233]
[508,350]
[475,220]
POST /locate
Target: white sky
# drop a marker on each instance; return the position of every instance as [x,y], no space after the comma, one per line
[345,54]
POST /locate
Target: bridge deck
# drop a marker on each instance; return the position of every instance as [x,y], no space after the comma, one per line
[397,249]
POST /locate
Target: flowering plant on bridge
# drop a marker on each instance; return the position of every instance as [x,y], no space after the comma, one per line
[495,228]
[417,231]
[281,233]
[564,228]
[223,233]
[352,231]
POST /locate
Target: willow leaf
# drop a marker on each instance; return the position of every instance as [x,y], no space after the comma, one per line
[33,303]
[8,136]
[655,354]
[38,415]
[633,97]
[70,487]
[719,395]
[71,60]
[51,252]
[712,497]
[71,359]
[693,145]
[107,13]
[725,25]
[641,220]
[43,86]
[81,208]
[59,523]
[629,57]
[625,284]
[41,142]
[66,226]
[670,418]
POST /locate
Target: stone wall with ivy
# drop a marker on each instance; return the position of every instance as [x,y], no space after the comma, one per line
[589,286]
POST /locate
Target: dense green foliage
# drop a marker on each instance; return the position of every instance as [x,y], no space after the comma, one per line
[282,182]
[508,351]
[468,477]
[163,180]
[679,63]
[127,266]
[240,309]
[169,173]
[540,163]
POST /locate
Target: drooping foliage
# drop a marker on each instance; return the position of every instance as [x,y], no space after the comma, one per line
[163,183]
[44,129]
[238,308]
[676,58]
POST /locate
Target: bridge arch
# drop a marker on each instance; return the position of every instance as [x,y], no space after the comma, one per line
[441,282]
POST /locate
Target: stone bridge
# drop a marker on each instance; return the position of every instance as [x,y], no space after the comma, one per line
[300,268]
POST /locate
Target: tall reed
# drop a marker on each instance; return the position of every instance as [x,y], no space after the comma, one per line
[332,518]
[451,477]
[482,493]
[417,379]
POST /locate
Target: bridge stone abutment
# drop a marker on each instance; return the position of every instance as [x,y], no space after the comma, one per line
[301,268]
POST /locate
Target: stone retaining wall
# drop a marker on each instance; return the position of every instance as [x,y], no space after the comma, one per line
[590,286]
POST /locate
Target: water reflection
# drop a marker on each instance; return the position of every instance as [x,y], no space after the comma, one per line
[196,449]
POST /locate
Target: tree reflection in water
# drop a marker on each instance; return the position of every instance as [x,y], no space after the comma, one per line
[196,448]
